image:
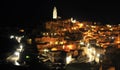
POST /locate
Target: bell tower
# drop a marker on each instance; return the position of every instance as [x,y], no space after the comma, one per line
[54,13]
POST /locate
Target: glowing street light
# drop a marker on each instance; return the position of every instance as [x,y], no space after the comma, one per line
[98,55]
[17,53]
[12,36]
[68,59]
[16,63]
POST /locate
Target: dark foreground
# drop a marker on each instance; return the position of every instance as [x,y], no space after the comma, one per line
[30,67]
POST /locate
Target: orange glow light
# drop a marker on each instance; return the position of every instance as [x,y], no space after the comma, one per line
[80,25]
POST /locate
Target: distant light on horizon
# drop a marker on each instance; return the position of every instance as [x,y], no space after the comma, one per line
[12,36]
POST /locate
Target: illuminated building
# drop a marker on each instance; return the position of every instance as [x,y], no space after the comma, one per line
[55,13]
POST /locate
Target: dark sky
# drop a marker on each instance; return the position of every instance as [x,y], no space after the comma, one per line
[33,11]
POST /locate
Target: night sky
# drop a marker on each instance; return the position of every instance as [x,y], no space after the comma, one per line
[16,12]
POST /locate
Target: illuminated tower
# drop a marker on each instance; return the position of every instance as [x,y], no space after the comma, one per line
[54,13]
